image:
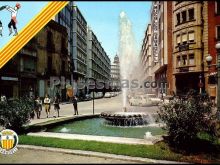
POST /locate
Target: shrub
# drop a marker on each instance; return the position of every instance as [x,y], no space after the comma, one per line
[15,113]
[185,118]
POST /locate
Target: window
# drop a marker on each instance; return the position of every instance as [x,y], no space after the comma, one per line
[184,38]
[183,16]
[191,36]
[184,60]
[218,33]
[178,18]
[178,39]
[178,61]
[191,14]
[191,59]
[217,8]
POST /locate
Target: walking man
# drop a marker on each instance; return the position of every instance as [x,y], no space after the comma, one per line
[56,106]
[75,105]
[38,108]
[13,18]
[47,105]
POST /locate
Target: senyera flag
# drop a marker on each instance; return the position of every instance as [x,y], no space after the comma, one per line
[20,21]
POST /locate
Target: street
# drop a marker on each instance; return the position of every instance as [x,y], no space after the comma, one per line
[86,108]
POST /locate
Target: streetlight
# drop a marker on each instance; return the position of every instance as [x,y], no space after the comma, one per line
[209,60]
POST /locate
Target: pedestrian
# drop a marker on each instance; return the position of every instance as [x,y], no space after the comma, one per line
[47,105]
[13,18]
[74,100]
[38,107]
[56,106]
[32,114]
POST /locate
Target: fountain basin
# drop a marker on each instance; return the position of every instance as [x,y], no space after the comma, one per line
[125,118]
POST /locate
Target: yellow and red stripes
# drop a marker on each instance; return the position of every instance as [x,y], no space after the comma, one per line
[30,30]
[7,144]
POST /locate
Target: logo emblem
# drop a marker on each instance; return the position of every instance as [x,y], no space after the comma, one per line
[9,141]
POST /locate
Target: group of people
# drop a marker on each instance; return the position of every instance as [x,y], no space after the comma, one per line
[47,105]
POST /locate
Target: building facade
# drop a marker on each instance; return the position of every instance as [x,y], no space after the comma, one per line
[115,74]
[146,58]
[190,45]
[18,76]
[161,32]
[79,49]
[98,62]
[213,38]
[53,61]
[65,18]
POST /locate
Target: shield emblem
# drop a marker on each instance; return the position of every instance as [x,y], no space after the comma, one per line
[7,142]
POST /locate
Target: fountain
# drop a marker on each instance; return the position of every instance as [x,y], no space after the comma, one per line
[128,64]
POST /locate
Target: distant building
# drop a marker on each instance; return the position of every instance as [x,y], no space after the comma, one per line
[98,62]
[146,59]
[115,74]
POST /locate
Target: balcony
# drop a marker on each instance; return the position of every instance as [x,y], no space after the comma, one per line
[183,47]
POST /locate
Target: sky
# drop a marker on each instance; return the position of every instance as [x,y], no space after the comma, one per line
[24,15]
[103,19]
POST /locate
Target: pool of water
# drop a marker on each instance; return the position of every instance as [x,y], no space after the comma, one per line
[97,126]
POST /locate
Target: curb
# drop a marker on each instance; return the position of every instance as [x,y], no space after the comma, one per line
[99,154]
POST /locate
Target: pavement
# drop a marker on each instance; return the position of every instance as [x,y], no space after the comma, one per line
[38,154]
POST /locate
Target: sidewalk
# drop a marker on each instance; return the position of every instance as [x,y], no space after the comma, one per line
[78,156]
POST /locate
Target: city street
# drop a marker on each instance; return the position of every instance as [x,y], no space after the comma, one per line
[86,108]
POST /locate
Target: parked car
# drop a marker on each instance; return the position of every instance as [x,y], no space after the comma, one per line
[87,97]
[140,101]
[154,99]
[107,95]
[113,94]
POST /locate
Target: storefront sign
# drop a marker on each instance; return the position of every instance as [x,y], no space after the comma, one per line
[155,32]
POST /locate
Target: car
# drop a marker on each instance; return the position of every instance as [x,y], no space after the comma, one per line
[140,101]
[87,97]
[107,95]
[113,94]
[154,99]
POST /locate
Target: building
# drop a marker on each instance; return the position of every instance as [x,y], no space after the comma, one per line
[161,32]
[115,74]
[53,61]
[98,62]
[79,49]
[146,58]
[190,44]
[213,38]
[44,57]
[65,18]
[18,76]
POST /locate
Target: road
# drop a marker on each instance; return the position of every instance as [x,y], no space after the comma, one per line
[100,105]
